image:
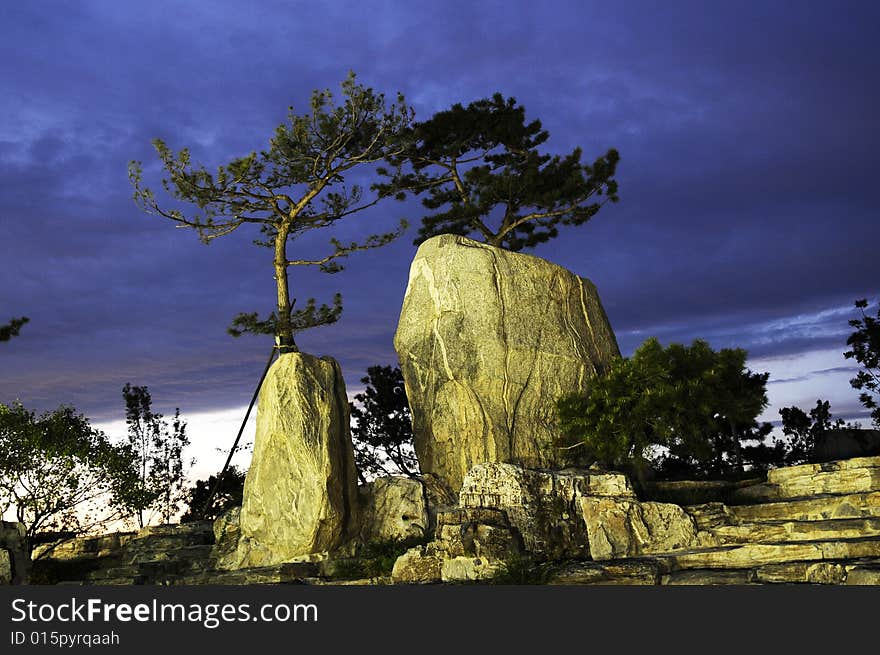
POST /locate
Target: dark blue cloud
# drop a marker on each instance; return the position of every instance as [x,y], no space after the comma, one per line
[747,136]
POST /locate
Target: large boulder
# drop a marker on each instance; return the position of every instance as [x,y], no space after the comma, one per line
[300,493]
[488,340]
[393,508]
[625,527]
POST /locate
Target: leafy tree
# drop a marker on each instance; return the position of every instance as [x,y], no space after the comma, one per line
[59,475]
[229,494]
[160,483]
[766,454]
[865,344]
[482,169]
[12,328]
[382,432]
[803,430]
[297,185]
[686,409]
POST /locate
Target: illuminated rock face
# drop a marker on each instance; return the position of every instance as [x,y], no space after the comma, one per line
[393,508]
[505,513]
[488,340]
[15,562]
[300,494]
[543,506]
[624,527]
[814,523]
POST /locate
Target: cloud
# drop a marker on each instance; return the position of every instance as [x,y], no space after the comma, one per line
[747,213]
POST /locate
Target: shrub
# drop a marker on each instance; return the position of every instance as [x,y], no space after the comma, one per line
[686,409]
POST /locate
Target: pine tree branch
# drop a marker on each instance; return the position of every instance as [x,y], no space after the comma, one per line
[548,214]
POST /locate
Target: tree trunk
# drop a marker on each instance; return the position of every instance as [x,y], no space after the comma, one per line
[737,448]
[284,330]
[143,478]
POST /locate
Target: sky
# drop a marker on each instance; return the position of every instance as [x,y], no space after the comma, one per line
[748,213]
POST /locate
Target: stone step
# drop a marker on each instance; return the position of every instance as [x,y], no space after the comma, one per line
[162,572]
[619,572]
[850,572]
[867,574]
[755,555]
[824,573]
[791,531]
[650,571]
[801,572]
[359,582]
[196,529]
[851,506]
[710,515]
[117,582]
[182,554]
[162,543]
[114,581]
[853,468]
[845,477]
[197,566]
[289,573]
[123,571]
[106,545]
[459,516]
[709,577]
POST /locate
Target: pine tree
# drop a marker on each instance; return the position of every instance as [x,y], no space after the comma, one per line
[382,433]
[12,328]
[482,168]
[295,186]
[687,409]
[865,343]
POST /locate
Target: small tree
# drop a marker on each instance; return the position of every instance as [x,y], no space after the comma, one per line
[229,494]
[295,186]
[803,430]
[865,344]
[59,476]
[615,421]
[158,448]
[686,409]
[481,166]
[12,328]
[382,431]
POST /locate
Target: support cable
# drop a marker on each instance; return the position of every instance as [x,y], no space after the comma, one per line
[247,414]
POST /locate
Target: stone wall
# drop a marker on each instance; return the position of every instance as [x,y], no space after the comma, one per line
[811,524]
[157,554]
[814,524]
